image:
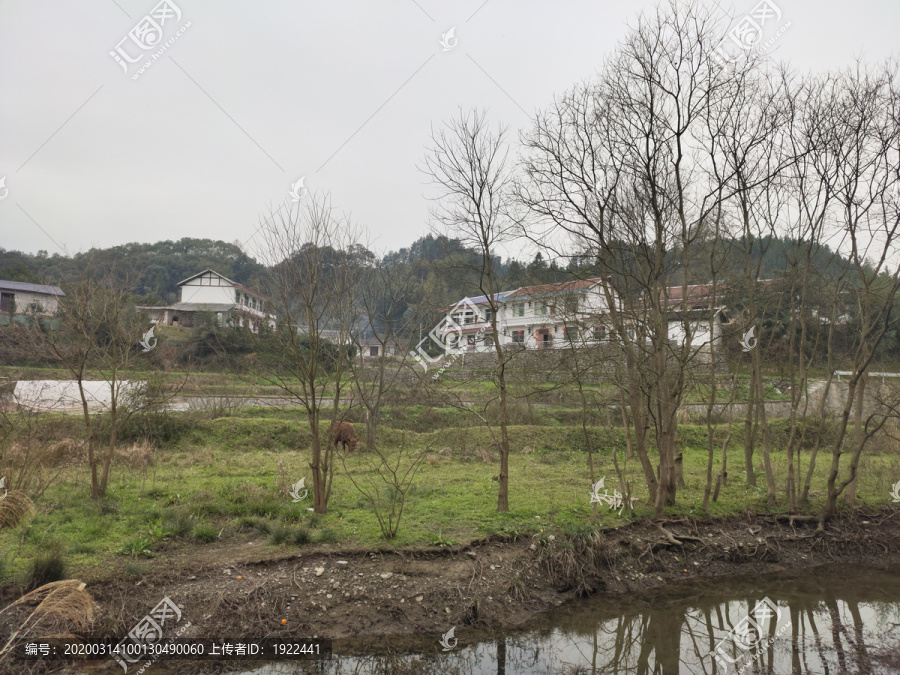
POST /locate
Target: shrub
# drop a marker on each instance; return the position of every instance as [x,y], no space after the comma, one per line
[301,536]
[49,564]
[278,534]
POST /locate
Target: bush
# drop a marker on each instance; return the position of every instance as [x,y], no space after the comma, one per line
[49,565]
[301,536]
[278,534]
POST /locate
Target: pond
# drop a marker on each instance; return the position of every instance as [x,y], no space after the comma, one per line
[826,621]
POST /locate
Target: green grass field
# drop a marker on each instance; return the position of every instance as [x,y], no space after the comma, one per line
[226,480]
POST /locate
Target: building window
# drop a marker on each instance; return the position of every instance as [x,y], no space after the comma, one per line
[519,309]
[540,309]
[237,297]
[487,315]
[8,302]
[599,332]
[518,336]
[571,333]
[571,304]
[373,351]
[488,342]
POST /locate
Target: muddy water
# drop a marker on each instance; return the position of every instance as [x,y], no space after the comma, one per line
[827,621]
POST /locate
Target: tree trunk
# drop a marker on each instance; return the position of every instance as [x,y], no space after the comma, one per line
[858,434]
[320,501]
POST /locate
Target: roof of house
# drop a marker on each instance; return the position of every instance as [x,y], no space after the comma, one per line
[551,289]
[25,287]
[695,292]
[200,274]
[233,283]
[699,292]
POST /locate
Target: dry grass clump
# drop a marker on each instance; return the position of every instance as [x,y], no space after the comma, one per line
[485,455]
[61,609]
[15,508]
[136,457]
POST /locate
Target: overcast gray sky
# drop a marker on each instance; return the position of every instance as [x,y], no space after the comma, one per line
[252,96]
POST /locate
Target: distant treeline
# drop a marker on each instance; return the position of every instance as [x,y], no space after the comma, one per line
[444,266]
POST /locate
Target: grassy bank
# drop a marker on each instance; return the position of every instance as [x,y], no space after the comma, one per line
[225,481]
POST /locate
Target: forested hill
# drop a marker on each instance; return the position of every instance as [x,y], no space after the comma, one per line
[154,270]
[444,266]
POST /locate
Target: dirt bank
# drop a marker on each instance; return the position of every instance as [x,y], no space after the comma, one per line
[494,583]
[362,597]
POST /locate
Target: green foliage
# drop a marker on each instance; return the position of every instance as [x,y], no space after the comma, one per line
[205,532]
[301,536]
[278,534]
[138,546]
[440,540]
[327,536]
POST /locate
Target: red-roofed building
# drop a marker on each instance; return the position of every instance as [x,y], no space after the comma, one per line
[700,313]
[533,317]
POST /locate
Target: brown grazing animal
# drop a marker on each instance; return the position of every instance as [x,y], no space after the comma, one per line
[342,433]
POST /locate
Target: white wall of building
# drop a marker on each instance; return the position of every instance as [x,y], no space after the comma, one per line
[46,303]
[527,320]
[208,288]
[701,335]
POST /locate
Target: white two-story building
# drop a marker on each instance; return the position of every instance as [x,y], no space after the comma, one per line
[208,291]
[533,317]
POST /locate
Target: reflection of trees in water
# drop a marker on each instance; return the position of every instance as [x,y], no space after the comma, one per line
[825,632]
[814,634]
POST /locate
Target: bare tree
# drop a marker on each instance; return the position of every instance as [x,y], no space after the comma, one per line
[858,163]
[621,168]
[385,319]
[468,163]
[100,331]
[314,261]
